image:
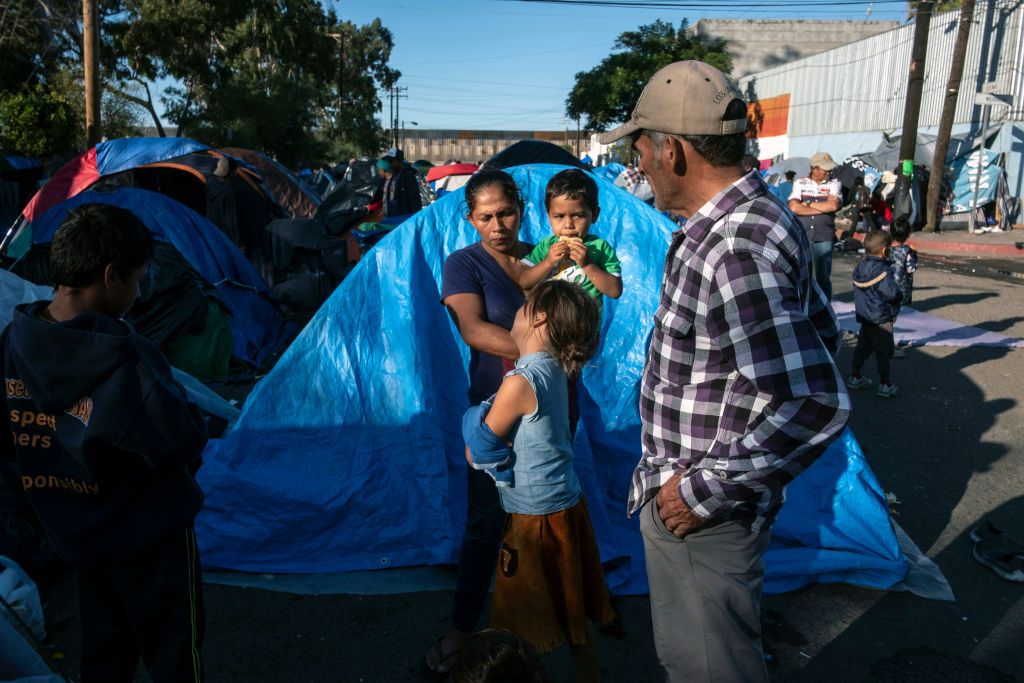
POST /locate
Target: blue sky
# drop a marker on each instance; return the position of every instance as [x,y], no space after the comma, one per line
[494,64]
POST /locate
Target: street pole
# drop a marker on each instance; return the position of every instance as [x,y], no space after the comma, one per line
[91,67]
[391,114]
[912,110]
[981,169]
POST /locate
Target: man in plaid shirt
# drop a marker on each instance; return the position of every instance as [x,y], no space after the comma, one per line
[740,392]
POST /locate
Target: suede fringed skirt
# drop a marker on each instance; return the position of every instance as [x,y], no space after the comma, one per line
[549,582]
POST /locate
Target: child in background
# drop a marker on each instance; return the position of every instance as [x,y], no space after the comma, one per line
[572,253]
[876,297]
[904,265]
[108,447]
[550,582]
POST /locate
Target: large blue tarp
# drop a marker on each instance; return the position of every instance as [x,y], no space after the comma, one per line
[349,454]
[114,156]
[255,324]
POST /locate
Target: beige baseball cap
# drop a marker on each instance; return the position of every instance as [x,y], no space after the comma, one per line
[824,161]
[684,98]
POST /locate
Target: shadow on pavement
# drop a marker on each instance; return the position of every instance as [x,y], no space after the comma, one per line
[926,446]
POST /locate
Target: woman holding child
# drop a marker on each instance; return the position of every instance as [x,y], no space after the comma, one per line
[481,292]
[518,429]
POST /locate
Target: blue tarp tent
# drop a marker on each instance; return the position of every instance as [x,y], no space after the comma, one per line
[114,156]
[349,454]
[609,171]
[256,327]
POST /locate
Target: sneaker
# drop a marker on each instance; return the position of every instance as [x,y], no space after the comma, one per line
[993,535]
[899,352]
[859,382]
[887,390]
[1006,565]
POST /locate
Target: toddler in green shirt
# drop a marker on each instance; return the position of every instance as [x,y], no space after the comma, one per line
[572,253]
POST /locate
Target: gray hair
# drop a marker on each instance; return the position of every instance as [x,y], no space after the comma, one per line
[657,138]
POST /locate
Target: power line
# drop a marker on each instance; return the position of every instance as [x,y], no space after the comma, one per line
[518,55]
[466,80]
[690,4]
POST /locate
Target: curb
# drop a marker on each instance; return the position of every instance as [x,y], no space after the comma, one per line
[969,248]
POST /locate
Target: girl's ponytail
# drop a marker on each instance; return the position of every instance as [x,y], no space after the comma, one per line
[573,322]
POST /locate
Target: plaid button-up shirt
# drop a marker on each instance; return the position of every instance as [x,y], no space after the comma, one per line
[740,392]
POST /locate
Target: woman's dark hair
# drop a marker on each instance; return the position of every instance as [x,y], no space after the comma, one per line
[490,178]
[496,656]
[92,236]
[574,184]
[573,322]
[858,181]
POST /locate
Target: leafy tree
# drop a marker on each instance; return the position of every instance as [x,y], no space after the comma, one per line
[258,73]
[39,122]
[607,93]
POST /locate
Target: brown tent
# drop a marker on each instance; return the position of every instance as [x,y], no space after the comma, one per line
[288,192]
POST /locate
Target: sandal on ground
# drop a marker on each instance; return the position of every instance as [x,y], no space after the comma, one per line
[1006,565]
[990,532]
[444,667]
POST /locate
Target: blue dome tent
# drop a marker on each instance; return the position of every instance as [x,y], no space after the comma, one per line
[349,454]
[257,328]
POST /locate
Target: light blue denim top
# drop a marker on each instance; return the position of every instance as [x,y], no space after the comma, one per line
[545,481]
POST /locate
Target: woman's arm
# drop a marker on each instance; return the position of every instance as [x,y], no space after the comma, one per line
[467,310]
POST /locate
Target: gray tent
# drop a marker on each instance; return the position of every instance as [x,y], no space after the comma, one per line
[886,156]
[777,172]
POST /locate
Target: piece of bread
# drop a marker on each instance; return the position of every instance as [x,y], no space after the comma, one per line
[569,240]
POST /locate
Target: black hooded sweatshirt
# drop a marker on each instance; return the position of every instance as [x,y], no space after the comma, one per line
[105,440]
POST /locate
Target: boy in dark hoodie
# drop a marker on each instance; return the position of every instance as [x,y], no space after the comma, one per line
[876,296]
[106,447]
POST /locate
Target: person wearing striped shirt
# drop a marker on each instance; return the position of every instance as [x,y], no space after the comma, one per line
[740,392]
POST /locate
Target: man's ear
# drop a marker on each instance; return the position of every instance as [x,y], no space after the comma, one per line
[677,148]
[110,275]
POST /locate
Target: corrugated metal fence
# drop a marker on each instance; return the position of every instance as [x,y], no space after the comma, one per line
[471,146]
[862,86]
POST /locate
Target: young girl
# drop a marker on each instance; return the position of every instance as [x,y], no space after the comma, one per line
[550,581]
[904,265]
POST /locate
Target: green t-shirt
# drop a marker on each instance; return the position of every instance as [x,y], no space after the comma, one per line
[600,253]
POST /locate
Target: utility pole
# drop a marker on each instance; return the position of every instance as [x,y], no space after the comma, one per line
[391,113]
[398,90]
[577,137]
[911,112]
[91,67]
[956,74]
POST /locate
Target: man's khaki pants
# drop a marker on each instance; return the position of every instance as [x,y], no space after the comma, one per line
[706,599]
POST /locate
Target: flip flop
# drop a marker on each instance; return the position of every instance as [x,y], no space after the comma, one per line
[437,674]
[1006,565]
[989,532]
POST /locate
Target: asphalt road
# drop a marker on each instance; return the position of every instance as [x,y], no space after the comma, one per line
[951,447]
